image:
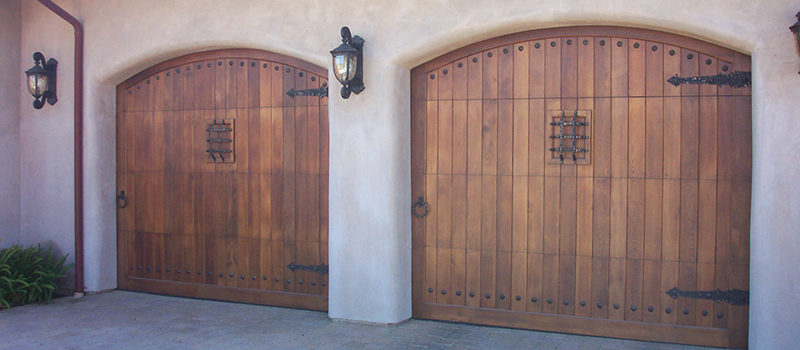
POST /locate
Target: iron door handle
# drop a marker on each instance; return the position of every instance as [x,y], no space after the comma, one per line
[420,203]
[122,200]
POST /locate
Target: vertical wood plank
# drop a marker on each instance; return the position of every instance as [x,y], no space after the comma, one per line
[599,303]
[569,67]
[536,69]
[535,270]
[586,67]
[654,63]
[505,72]
[552,70]
[490,74]
[459,137]
[637,65]
[521,72]
[653,210]
[636,218]
[536,214]
[619,137]
[505,137]
[633,291]
[654,147]
[619,67]
[637,143]
[602,67]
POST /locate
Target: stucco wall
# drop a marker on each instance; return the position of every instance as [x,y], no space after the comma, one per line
[370,239]
[46,147]
[10,76]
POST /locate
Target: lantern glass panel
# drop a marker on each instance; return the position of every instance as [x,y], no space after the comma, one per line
[37,84]
[344,66]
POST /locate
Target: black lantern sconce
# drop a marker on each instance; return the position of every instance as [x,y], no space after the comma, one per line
[795,28]
[42,80]
[348,63]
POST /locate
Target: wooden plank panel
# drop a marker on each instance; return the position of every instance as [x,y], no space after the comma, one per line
[538,126]
[636,224]
[566,284]
[568,215]
[669,279]
[672,133]
[654,147]
[742,138]
[474,137]
[551,219]
[569,67]
[583,286]
[460,79]
[488,214]
[475,77]
[599,303]
[633,291]
[444,214]
[432,86]
[740,223]
[505,72]
[490,134]
[653,210]
[503,279]
[278,267]
[725,138]
[654,63]
[601,220]
[535,270]
[707,67]
[601,133]
[616,288]
[301,139]
[585,215]
[432,222]
[704,316]
[637,65]
[587,105]
[505,210]
[521,72]
[445,137]
[723,224]
[253,84]
[520,136]
[619,218]
[602,67]
[687,281]
[276,156]
[551,168]
[637,143]
[672,67]
[689,138]
[148,258]
[264,136]
[651,291]
[706,224]
[220,84]
[431,137]
[722,282]
[619,137]
[550,283]
[536,220]
[619,67]
[505,137]
[519,283]
[473,283]
[586,66]
[519,236]
[458,277]
[707,158]
[459,137]
[474,216]
[445,85]
[264,85]
[290,255]
[552,71]
[291,81]
[688,233]
[689,68]
[490,74]
[488,293]
[536,69]
[443,265]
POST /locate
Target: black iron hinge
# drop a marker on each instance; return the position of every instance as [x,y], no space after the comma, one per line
[321,269]
[733,296]
[321,91]
[736,80]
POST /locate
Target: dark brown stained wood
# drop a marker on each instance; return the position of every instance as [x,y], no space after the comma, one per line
[663,202]
[206,224]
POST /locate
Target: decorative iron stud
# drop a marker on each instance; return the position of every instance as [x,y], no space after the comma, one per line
[444,292]
[518,298]
[550,301]
[300,281]
[668,311]
[324,284]
[502,296]
[719,315]
[458,293]
[704,313]
[633,307]
[471,294]
[616,306]
[651,309]
[277,279]
[231,274]
[488,295]
[533,300]
[583,303]
[566,302]
[430,290]
[599,305]
[685,311]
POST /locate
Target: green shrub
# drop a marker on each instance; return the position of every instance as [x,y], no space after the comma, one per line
[29,275]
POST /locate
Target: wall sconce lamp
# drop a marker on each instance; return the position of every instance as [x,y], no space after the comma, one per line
[795,28]
[348,63]
[42,80]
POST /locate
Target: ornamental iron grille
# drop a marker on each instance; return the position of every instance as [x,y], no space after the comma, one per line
[569,137]
[219,141]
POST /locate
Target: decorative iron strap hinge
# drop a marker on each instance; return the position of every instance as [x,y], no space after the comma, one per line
[733,296]
[736,80]
[321,269]
[321,91]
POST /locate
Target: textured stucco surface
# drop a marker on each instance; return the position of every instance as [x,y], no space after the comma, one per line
[10,76]
[370,239]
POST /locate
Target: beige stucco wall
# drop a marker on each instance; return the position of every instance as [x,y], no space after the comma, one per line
[370,237]
[9,120]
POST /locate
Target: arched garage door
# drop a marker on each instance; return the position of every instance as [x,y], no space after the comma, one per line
[225,176]
[571,187]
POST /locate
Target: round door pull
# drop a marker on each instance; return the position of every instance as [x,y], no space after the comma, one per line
[420,203]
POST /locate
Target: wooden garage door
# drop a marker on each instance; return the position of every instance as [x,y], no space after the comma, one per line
[246,222]
[653,192]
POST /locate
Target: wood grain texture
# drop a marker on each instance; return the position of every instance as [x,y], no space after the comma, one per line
[224,224]
[661,203]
